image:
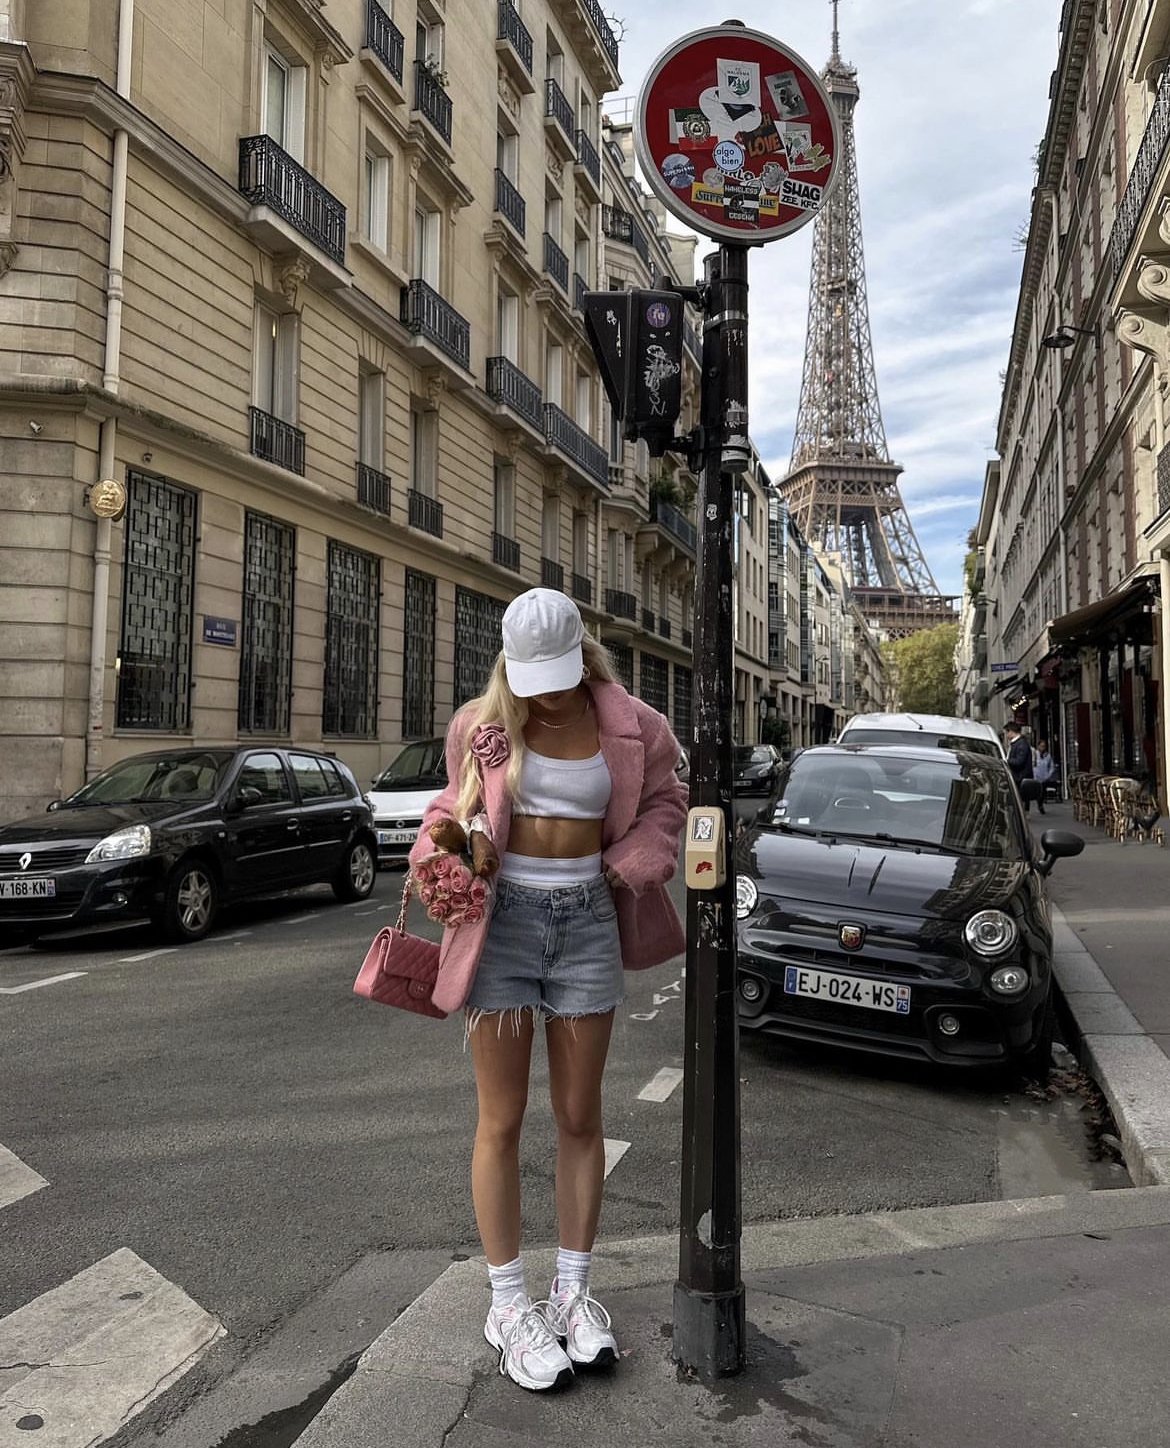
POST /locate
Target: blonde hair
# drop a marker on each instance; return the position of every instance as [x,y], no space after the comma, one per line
[498,705]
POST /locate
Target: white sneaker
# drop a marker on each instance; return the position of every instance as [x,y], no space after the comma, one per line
[583,1325]
[529,1353]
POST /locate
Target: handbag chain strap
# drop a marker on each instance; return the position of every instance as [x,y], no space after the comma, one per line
[406,884]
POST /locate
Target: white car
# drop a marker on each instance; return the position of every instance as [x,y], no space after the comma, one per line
[943,730]
[398,796]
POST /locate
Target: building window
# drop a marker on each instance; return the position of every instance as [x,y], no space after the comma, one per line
[274,385]
[418,657]
[505,498]
[266,634]
[584,401]
[428,40]
[653,680]
[554,373]
[351,644]
[376,199]
[623,664]
[424,451]
[550,528]
[508,325]
[508,154]
[427,232]
[581,544]
[154,655]
[283,109]
[478,619]
[682,716]
[371,418]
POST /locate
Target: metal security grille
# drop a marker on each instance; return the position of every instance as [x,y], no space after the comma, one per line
[418,657]
[654,682]
[351,644]
[266,642]
[682,717]
[154,656]
[623,663]
[478,619]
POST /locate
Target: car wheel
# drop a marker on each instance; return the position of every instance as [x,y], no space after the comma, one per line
[359,868]
[191,902]
[1035,1063]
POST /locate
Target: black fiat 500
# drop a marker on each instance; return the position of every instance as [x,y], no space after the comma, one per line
[892,899]
[172,835]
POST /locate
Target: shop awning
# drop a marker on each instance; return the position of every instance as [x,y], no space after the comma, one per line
[1083,624]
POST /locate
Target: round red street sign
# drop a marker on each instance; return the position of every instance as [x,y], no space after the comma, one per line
[736,135]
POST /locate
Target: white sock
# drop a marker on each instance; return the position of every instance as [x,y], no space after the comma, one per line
[507,1283]
[571,1267]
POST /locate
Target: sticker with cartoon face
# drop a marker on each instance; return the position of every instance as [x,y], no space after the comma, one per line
[787,96]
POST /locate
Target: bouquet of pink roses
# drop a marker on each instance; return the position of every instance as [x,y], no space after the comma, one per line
[449,891]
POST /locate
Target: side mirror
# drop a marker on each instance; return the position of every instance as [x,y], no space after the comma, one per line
[244,798]
[1057,845]
[53,806]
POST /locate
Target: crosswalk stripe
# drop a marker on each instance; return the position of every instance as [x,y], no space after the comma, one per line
[36,984]
[84,1358]
[659,1087]
[16,1179]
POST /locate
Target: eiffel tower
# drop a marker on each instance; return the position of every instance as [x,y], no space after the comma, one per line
[841,486]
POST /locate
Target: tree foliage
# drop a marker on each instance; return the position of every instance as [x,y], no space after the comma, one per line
[921,669]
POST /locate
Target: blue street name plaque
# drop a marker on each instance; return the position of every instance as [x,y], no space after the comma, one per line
[219,630]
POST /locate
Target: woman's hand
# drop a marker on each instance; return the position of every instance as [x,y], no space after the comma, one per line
[614,880]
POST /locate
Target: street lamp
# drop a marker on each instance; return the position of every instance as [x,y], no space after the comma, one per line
[1063,336]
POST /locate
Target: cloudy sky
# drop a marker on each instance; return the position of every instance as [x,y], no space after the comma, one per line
[954,101]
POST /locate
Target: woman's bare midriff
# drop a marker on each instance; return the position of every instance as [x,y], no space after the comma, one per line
[553,839]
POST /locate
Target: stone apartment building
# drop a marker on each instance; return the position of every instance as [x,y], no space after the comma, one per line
[294,387]
[1075,523]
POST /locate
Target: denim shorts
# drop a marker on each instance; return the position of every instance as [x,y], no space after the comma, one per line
[553,949]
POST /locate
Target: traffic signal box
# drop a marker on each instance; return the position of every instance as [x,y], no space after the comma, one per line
[637,338]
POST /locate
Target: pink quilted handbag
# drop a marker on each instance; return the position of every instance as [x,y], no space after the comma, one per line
[401,969]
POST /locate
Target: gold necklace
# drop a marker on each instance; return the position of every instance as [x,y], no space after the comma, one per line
[567,723]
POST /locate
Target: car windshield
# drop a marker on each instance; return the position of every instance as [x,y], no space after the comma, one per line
[419,763]
[958,804]
[973,743]
[752,754]
[187,778]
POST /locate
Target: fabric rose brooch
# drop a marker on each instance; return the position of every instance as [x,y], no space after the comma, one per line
[489,744]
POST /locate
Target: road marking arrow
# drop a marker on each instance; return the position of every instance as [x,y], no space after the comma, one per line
[16,1179]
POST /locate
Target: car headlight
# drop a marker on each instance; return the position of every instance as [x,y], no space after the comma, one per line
[990,932]
[746,896]
[126,844]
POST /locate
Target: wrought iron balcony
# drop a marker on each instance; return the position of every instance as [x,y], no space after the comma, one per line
[563,433]
[270,177]
[506,552]
[427,314]
[384,38]
[552,575]
[513,30]
[619,225]
[582,589]
[432,100]
[1163,503]
[621,604]
[648,617]
[509,202]
[1146,166]
[668,517]
[507,384]
[424,513]
[664,626]
[587,156]
[580,287]
[685,638]
[373,488]
[556,263]
[277,441]
[557,107]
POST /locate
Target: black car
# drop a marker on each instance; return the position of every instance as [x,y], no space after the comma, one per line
[892,899]
[755,768]
[171,836]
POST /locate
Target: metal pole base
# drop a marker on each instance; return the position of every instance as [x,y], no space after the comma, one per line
[709,1331]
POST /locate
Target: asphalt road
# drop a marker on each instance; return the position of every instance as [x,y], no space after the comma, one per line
[296,1159]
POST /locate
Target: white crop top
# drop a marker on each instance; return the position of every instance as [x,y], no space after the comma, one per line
[568,789]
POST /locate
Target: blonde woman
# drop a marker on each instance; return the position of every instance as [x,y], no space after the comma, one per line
[574,781]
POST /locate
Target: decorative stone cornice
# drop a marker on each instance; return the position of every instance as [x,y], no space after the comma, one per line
[1146,333]
[291,274]
[1153,280]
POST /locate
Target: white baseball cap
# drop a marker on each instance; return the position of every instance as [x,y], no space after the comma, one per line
[542,643]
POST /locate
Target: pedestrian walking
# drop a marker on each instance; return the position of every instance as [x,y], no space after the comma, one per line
[574,781]
[1019,761]
[1043,769]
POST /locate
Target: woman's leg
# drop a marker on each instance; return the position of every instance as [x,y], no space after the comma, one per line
[501,1049]
[577,1050]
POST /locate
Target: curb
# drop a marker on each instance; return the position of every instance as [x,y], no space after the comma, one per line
[1131,1069]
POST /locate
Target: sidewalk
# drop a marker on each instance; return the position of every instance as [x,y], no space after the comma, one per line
[1040,1322]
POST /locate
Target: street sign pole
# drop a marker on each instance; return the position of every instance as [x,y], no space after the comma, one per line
[709,1299]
